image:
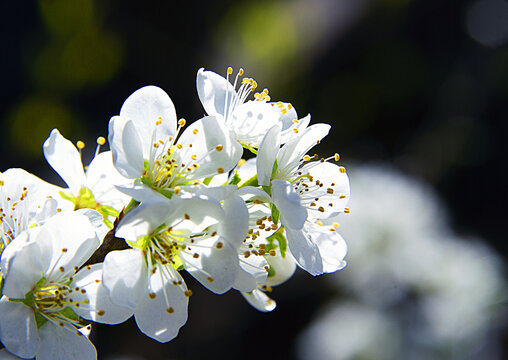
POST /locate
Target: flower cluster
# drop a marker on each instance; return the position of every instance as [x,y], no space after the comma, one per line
[167,197]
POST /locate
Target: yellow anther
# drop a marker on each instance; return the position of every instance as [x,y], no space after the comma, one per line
[272,252]
[295,130]
[296,121]
[342,169]
[347,210]
[241,162]
[336,225]
[280,104]
[290,106]
[2,182]
[155,145]
[220,170]
[219,147]
[319,223]
[306,158]
[336,157]
[182,122]
[179,146]
[267,98]
[195,131]
[101,140]
[283,111]
[177,190]
[322,209]
[80,145]
[170,310]
[194,157]
[240,72]
[230,70]
[342,196]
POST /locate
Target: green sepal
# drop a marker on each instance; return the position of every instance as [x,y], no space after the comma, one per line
[67,196]
[106,210]
[167,193]
[235,179]
[85,200]
[70,314]
[281,240]
[253,181]
[39,319]
[207,180]
[131,205]
[271,272]
[248,147]
[108,223]
[274,168]
[267,189]
[275,214]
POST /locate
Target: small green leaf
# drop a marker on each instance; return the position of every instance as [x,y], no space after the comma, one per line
[248,147]
[207,180]
[131,205]
[106,210]
[235,180]
[67,196]
[271,272]
[274,168]
[267,189]
[275,214]
[253,181]
[39,319]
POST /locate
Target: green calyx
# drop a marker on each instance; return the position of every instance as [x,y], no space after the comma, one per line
[86,200]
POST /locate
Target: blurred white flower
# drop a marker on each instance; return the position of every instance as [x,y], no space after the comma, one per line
[350,331]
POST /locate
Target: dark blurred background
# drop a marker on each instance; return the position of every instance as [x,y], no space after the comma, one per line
[420,84]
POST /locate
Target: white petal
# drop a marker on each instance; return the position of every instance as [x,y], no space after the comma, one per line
[26,265]
[335,190]
[292,213]
[59,343]
[216,267]
[100,308]
[145,107]
[5,355]
[126,146]
[294,129]
[284,268]
[210,134]
[212,90]
[143,220]
[141,192]
[259,300]
[202,212]
[332,246]
[294,150]
[101,176]
[247,170]
[305,252]
[235,225]
[250,121]
[251,273]
[267,153]
[18,330]
[75,233]
[64,158]
[125,275]
[161,316]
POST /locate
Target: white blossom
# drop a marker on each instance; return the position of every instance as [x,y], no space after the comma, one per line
[147,147]
[248,120]
[45,293]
